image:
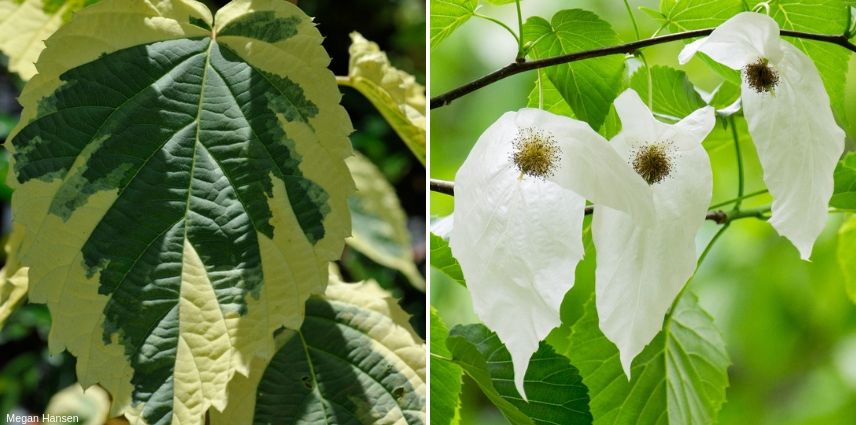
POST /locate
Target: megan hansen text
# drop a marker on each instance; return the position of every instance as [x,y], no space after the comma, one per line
[33,419]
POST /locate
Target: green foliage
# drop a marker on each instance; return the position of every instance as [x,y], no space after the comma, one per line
[725,95]
[442,259]
[448,15]
[683,15]
[555,391]
[846,254]
[679,378]
[545,92]
[588,86]
[445,376]
[673,96]
[844,194]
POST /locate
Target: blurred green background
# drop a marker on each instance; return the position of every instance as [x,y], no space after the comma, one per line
[789,327]
[29,376]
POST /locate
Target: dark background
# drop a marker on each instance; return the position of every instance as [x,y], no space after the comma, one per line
[29,376]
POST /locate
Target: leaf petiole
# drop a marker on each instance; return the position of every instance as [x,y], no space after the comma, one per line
[502,24]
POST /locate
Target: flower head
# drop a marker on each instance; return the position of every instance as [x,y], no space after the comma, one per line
[519,206]
[535,153]
[653,161]
[789,117]
[641,267]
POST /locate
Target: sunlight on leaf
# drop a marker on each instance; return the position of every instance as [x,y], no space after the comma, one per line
[25,24]
[448,15]
[395,93]
[355,360]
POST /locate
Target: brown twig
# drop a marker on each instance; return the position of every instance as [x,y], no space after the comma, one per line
[522,66]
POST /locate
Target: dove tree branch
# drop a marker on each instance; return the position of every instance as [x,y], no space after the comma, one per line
[522,65]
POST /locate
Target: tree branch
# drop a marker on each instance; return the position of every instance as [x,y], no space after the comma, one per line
[522,66]
[717,216]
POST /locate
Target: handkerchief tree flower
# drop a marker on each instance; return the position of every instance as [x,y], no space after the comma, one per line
[789,117]
[620,164]
[519,206]
[641,267]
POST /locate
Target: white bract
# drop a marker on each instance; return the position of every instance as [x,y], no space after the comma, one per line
[789,117]
[641,267]
[519,206]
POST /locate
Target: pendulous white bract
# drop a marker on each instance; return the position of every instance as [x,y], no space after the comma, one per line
[519,205]
[789,117]
[641,267]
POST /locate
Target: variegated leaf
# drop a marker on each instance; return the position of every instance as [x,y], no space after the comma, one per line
[182,186]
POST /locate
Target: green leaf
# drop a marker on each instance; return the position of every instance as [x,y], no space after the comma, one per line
[24,24]
[379,223]
[673,97]
[445,376]
[355,360]
[588,86]
[5,190]
[554,387]
[844,193]
[442,259]
[219,166]
[395,93]
[679,378]
[448,15]
[499,2]
[824,17]
[684,15]
[654,14]
[725,95]
[846,248]
[552,99]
